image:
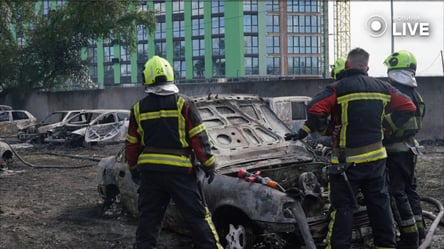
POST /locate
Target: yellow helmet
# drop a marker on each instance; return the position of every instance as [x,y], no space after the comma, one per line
[157,70]
[401,60]
[337,68]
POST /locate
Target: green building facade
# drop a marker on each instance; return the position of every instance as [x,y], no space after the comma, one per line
[207,41]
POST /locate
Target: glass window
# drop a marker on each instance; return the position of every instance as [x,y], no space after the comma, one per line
[46,6]
[272,5]
[273,44]
[251,45]
[179,68]
[142,34]
[272,23]
[161,49]
[178,6]
[251,65]
[218,25]
[218,46]
[4,116]
[17,115]
[273,66]
[178,29]
[160,31]
[198,47]
[197,7]
[219,67]
[305,65]
[217,6]
[108,52]
[159,7]
[198,68]
[250,5]
[124,53]
[179,49]
[125,69]
[198,27]
[250,23]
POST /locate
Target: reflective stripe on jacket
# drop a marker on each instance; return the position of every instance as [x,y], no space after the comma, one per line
[357,105]
[167,122]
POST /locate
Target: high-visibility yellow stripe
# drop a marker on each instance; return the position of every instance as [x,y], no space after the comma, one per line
[306,129]
[409,229]
[363,158]
[330,228]
[196,130]
[131,139]
[210,161]
[384,97]
[158,114]
[173,160]
[181,122]
[139,125]
[388,118]
[344,124]
[212,228]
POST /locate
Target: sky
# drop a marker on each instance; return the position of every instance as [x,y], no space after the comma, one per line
[418,27]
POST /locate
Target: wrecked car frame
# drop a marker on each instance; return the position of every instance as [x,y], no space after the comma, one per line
[247,136]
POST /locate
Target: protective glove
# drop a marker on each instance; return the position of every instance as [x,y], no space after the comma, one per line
[209,173]
[301,134]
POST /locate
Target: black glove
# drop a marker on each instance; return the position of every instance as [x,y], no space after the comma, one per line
[302,134]
[291,136]
[209,173]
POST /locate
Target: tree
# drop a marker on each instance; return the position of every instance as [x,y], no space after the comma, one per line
[51,53]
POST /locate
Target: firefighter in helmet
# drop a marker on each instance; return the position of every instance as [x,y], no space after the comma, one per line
[165,132]
[402,149]
[338,69]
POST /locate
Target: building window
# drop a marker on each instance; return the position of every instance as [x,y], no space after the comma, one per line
[178,6]
[108,52]
[250,5]
[160,31]
[251,65]
[273,44]
[218,46]
[178,29]
[303,5]
[273,66]
[125,70]
[159,7]
[217,6]
[250,23]
[141,33]
[303,44]
[272,5]
[304,65]
[198,47]
[46,5]
[179,49]
[303,24]
[219,67]
[198,27]
[198,68]
[218,25]
[161,49]
[143,6]
[273,23]
[197,7]
[179,69]
[251,45]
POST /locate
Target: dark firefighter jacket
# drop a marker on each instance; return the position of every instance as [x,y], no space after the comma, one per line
[356,104]
[401,139]
[163,132]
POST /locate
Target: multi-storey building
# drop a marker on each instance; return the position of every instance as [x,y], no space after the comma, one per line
[222,40]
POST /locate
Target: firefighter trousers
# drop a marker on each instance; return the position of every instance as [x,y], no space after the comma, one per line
[155,191]
[371,178]
[406,203]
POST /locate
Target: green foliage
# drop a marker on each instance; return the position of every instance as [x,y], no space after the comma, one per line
[50,57]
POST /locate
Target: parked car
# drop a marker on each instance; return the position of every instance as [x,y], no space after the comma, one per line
[5,107]
[93,126]
[247,139]
[41,131]
[5,155]
[13,120]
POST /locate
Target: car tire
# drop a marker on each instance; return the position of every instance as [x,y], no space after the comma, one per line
[236,234]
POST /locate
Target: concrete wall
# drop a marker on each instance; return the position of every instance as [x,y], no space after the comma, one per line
[43,103]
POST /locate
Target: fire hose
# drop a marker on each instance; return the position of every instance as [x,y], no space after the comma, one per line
[428,239]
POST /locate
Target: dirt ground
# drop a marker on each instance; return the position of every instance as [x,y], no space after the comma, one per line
[50,200]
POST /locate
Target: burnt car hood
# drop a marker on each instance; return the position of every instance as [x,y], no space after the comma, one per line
[245,132]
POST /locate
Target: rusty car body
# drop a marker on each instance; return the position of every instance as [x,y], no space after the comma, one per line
[13,120]
[6,155]
[247,136]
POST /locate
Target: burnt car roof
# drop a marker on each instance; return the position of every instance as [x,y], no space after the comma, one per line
[245,132]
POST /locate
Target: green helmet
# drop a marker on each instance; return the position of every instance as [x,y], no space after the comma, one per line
[157,71]
[401,60]
[337,68]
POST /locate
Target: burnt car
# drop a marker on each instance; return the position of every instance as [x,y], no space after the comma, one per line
[41,131]
[93,126]
[11,121]
[267,193]
[6,154]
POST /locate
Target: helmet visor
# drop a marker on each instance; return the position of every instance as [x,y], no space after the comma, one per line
[164,89]
[403,76]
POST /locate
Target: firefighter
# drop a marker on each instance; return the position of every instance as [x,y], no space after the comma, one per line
[165,132]
[402,149]
[357,103]
[338,69]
